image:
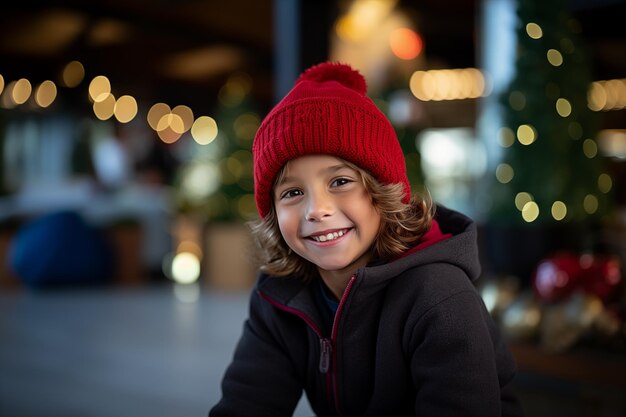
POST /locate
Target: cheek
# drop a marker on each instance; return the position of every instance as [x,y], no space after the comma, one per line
[288,224]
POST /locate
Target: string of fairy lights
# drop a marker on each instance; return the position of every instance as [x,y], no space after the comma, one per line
[170,124]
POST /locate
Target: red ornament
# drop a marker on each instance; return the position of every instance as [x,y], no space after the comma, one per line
[601,275]
[557,277]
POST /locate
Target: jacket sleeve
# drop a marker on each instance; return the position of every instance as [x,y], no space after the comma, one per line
[457,367]
[260,381]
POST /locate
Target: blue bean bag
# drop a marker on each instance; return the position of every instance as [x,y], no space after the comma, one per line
[60,248]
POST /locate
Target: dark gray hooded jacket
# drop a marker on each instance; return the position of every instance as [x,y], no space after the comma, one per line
[411,337]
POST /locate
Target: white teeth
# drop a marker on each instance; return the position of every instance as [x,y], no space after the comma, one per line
[330,236]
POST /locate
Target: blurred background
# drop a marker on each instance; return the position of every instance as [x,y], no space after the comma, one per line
[126,182]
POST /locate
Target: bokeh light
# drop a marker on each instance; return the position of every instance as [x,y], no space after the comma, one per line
[125,109]
[156,113]
[506,137]
[504,173]
[521,199]
[45,94]
[559,210]
[405,43]
[204,130]
[526,134]
[105,107]
[590,203]
[99,88]
[554,57]
[534,30]
[590,148]
[563,107]
[21,91]
[530,212]
[73,74]
[185,268]
[605,183]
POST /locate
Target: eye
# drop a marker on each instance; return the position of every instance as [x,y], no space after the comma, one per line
[338,182]
[291,193]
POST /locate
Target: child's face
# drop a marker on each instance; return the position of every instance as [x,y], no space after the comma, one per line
[325,214]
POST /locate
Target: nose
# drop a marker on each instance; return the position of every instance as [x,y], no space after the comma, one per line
[319,206]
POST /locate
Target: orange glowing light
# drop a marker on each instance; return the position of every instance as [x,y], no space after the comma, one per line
[405,43]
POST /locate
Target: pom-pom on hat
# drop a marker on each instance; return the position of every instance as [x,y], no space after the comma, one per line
[327,112]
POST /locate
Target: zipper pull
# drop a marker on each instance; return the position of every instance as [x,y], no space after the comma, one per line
[325,347]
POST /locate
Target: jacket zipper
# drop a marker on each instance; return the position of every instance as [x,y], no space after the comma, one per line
[332,361]
[328,362]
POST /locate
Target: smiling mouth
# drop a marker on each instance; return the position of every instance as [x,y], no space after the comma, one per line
[327,237]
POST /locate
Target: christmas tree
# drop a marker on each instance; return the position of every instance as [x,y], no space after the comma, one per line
[551,170]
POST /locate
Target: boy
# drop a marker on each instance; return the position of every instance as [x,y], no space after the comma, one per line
[365,299]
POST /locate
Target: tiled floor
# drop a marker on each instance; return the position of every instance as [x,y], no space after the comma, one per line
[113,352]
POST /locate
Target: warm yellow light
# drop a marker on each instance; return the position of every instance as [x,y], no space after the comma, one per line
[590,203]
[530,212]
[21,92]
[607,95]
[186,116]
[1,83]
[46,93]
[73,74]
[521,199]
[559,210]
[125,109]
[590,148]
[526,134]
[554,57]
[99,88]
[504,173]
[616,94]
[596,96]
[156,113]
[605,183]
[104,108]
[452,84]
[477,82]
[506,137]
[172,122]
[563,107]
[362,18]
[534,30]
[167,135]
[204,130]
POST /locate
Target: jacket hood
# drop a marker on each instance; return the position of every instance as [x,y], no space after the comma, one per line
[460,249]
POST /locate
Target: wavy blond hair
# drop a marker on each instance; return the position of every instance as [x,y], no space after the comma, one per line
[401,226]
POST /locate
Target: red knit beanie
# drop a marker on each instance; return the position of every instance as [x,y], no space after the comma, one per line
[327,112]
